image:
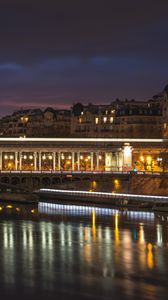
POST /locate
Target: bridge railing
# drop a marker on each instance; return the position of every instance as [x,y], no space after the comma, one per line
[70,172]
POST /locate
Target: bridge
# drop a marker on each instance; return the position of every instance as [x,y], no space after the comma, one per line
[48,161]
[81,154]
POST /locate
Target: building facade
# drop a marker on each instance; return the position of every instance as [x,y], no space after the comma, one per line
[36,123]
[122,119]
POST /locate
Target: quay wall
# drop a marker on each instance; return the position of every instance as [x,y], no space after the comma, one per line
[149,185]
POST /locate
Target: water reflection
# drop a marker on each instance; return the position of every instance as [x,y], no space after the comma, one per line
[83,251]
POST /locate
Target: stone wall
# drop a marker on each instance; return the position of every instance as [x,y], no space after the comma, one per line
[149,185]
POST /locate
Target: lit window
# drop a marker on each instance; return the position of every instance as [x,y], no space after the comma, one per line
[80,120]
[112,111]
[105,119]
[106,112]
[82,113]
[165,125]
[96,120]
[111,119]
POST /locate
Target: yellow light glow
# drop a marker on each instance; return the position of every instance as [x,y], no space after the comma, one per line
[116,181]
[150,260]
[94,224]
[6,156]
[9,206]
[43,157]
[116,228]
[89,157]
[9,164]
[25,156]
[141,158]
[149,159]
[11,156]
[1,207]
[100,157]
[31,156]
[50,157]
[81,157]
[69,157]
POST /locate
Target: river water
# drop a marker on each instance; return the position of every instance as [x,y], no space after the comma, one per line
[78,252]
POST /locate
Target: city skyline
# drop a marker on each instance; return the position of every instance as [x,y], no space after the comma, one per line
[56,54]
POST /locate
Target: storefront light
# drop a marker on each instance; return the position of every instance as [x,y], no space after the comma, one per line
[141,158]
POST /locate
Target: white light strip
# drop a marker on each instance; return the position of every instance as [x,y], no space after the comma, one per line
[95,140]
[54,208]
[102,194]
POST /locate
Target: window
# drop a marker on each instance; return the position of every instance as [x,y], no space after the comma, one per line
[111,120]
[96,120]
[105,119]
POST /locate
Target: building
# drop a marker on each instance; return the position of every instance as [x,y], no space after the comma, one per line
[119,119]
[35,122]
[122,119]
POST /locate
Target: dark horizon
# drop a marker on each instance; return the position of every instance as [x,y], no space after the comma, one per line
[56,54]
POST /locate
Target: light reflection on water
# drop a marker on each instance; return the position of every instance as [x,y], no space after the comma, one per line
[82,252]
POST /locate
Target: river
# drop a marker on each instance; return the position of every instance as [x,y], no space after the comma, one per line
[78,252]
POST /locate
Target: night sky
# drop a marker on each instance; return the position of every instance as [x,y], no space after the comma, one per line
[55,53]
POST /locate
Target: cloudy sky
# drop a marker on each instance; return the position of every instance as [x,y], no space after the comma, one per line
[55,53]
